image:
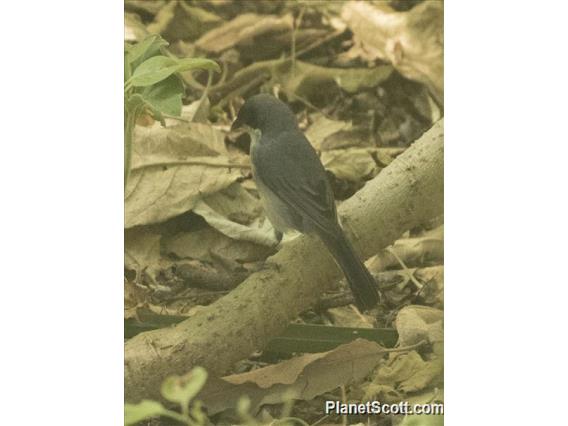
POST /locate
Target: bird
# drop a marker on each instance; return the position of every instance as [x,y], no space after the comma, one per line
[294,189]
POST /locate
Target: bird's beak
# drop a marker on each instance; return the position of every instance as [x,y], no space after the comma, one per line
[236,124]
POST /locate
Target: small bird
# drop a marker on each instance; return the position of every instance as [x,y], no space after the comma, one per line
[294,188]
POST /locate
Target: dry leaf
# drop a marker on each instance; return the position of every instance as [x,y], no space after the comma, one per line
[172,169]
[235,203]
[322,128]
[141,248]
[303,377]
[241,29]
[354,164]
[403,373]
[346,316]
[308,80]
[415,323]
[178,20]
[411,41]
[209,245]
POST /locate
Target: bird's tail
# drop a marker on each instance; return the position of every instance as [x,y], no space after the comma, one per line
[360,280]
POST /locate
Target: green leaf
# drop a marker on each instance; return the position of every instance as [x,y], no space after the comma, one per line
[158,68]
[153,70]
[127,69]
[154,50]
[133,413]
[312,338]
[187,64]
[165,96]
[150,44]
[182,389]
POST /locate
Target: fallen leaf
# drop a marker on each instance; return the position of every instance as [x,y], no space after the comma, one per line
[208,245]
[403,373]
[303,377]
[411,41]
[141,248]
[353,164]
[172,169]
[178,20]
[415,323]
[309,80]
[322,128]
[257,232]
[237,214]
[235,203]
[241,29]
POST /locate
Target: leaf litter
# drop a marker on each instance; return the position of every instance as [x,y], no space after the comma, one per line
[367,80]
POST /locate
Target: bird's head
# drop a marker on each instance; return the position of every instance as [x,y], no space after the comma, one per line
[265,113]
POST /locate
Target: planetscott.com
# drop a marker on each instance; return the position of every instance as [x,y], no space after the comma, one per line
[376,407]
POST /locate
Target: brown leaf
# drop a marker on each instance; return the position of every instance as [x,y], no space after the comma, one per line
[322,128]
[404,373]
[353,164]
[172,169]
[303,377]
[411,41]
[415,323]
[208,245]
[179,20]
[141,248]
[309,80]
[243,28]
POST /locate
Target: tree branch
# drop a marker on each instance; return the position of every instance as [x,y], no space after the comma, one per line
[405,194]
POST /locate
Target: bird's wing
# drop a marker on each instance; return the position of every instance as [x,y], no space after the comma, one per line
[291,169]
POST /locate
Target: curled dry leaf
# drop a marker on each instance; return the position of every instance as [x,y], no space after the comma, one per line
[307,80]
[353,164]
[237,214]
[415,323]
[235,203]
[403,373]
[209,245]
[258,231]
[172,169]
[427,249]
[411,41]
[303,377]
[323,127]
[408,372]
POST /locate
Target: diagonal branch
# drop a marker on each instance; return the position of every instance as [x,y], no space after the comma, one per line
[405,194]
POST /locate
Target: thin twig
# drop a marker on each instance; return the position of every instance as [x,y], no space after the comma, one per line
[405,268]
[319,42]
[190,162]
[406,348]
